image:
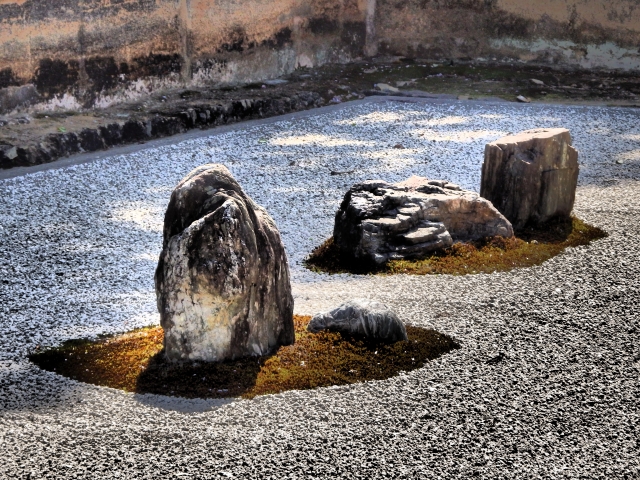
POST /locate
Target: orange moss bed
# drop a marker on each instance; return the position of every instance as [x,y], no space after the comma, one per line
[134,362]
[532,246]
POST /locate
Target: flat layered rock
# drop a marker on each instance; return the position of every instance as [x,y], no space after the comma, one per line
[531,177]
[222,282]
[378,221]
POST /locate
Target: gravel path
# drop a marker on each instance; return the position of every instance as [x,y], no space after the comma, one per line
[78,248]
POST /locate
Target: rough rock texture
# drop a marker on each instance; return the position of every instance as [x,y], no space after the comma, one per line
[361,318]
[378,221]
[531,177]
[222,281]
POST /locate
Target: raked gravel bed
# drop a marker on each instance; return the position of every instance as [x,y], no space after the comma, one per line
[78,248]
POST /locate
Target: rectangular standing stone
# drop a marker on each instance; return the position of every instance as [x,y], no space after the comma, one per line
[531,177]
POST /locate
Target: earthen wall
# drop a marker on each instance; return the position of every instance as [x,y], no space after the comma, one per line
[94,53]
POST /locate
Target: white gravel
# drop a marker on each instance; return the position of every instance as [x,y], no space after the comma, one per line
[78,248]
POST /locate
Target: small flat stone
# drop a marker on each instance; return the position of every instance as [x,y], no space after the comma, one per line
[383,87]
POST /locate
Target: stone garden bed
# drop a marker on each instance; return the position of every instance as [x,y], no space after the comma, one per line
[532,246]
[542,386]
[135,362]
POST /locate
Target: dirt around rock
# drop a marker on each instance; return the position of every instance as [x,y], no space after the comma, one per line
[135,362]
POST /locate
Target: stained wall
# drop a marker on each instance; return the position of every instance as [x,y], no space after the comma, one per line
[584,33]
[82,53]
[94,53]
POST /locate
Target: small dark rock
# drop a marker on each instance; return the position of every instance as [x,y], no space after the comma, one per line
[91,140]
[497,359]
[111,134]
[134,131]
[365,319]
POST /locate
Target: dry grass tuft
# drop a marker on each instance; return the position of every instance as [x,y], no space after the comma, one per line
[532,246]
[134,362]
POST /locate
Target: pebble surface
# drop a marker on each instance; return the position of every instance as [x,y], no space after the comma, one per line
[546,384]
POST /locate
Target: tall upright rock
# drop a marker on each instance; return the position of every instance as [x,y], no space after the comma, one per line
[531,177]
[222,281]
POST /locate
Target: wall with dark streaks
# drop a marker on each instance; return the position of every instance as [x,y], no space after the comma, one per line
[86,53]
[94,53]
[584,33]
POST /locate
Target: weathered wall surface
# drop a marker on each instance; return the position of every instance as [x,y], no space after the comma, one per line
[585,33]
[82,53]
[85,53]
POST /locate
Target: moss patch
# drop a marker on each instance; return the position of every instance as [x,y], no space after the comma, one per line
[532,246]
[134,362]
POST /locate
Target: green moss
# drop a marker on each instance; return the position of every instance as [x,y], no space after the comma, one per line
[134,362]
[532,246]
